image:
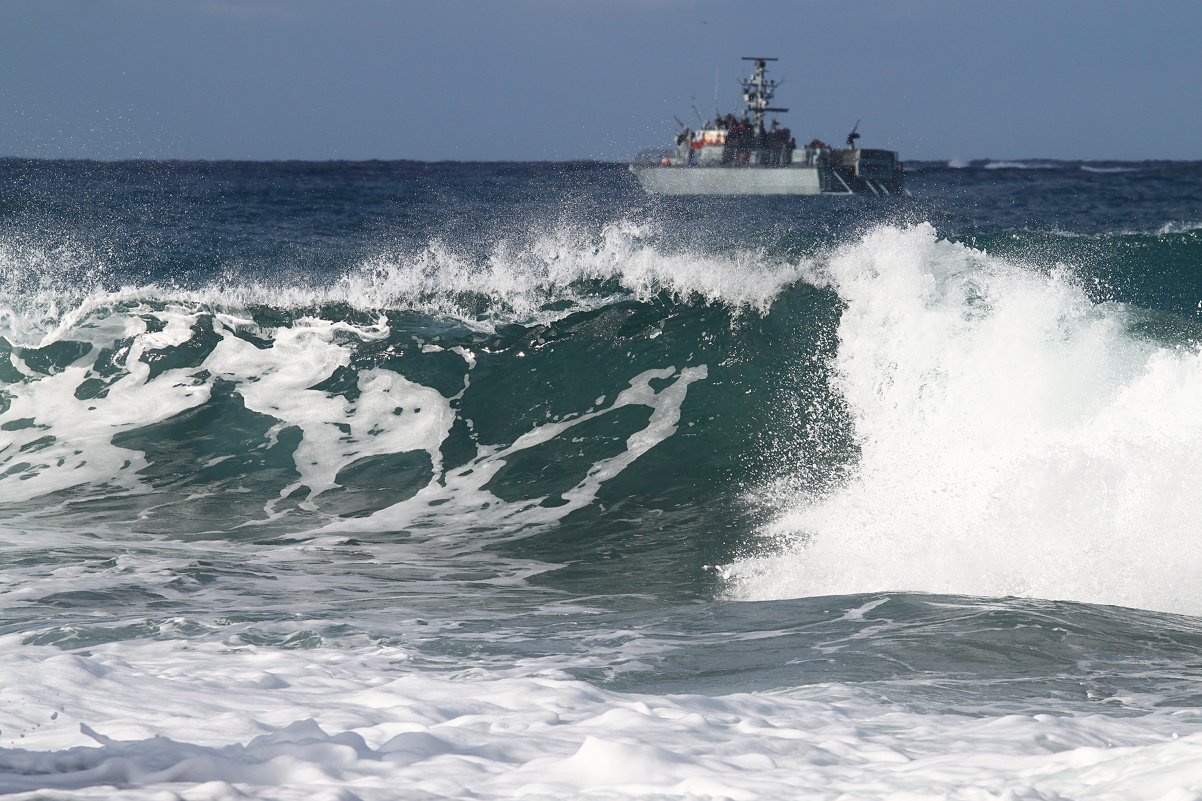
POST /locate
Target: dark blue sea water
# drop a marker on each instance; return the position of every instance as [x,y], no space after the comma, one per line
[404,480]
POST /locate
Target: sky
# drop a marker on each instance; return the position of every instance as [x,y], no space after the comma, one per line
[592,79]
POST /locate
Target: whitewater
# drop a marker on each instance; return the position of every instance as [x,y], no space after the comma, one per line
[449,494]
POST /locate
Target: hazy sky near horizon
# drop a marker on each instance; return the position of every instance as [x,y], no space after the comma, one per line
[592,79]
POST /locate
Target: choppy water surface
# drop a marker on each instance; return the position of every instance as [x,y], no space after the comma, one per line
[443,481]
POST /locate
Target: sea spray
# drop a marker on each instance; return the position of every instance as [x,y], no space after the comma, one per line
[1014,438]
[540,277]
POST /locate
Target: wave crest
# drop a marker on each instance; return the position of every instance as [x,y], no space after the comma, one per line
[48,289]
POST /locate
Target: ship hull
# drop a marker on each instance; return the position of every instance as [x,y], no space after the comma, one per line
[792,180]
[730,180]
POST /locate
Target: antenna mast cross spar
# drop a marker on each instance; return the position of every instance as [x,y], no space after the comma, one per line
[758,91]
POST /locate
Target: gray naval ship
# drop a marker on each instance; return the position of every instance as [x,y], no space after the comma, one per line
[740,156]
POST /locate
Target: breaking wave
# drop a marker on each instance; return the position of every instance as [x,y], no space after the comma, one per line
[1014,438]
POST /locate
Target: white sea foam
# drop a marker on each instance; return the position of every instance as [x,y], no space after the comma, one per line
[1107,170]
[1022,165]
[276,381]
[1015,439]
[462,492]
[230,720]
[1179,228]
[66,441]
[1172,228]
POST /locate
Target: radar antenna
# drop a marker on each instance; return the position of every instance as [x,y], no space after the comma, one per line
[853,136]
[758,91]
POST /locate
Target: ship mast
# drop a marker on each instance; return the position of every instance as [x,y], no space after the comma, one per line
[758,91]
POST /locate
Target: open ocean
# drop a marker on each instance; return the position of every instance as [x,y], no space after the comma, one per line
[399,480]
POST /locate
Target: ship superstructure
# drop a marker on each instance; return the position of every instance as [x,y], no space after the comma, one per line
[741,155]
